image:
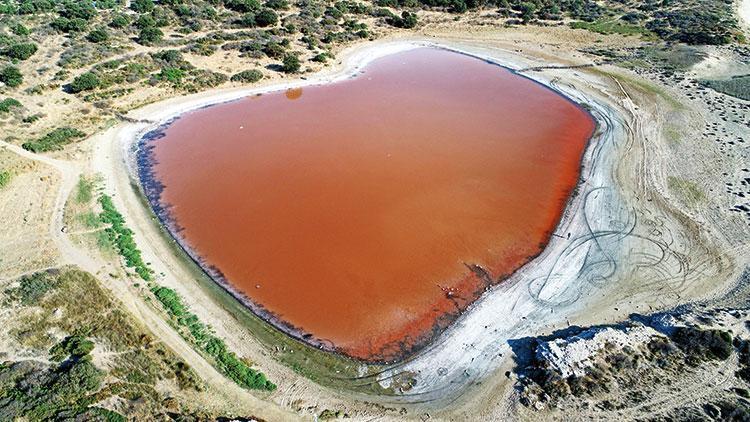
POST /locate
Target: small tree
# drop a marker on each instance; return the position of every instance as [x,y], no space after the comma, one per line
[408,20]
[527,11]
[11,76]
[291,63]
[84,82]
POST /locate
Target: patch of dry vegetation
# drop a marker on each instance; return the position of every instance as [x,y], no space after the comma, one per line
[65,316]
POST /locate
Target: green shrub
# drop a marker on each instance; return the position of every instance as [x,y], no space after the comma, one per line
[11,76]
[248,76]
[54,140]
[32,288]
[85,82]
[5,177]
[119,21]
[98,35]
[75,346]
[122,237]
[69,25]
[291,63]
[84,190]
[266,17]
[142,6]
[242,6]
[7,104]
[407,20]
[20,30]
[150,35]
[171,74]
[21,51]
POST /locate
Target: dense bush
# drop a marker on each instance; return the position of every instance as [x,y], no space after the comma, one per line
[72,9]
[142,6]
[54,140]
[694,26]
[150,35]
[31,288]
[248,76]
[266,17]
[11,76]
[21,51]
[98,35]
[75,346]
[119,21]
[291,63]
[701,345]
[407,20]
[32,391]
[277,4]
[69,25]
[242,6]
[84,82]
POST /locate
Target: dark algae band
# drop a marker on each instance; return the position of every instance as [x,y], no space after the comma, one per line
[364,216]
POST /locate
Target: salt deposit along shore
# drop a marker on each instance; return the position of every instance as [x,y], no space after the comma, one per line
[631,248]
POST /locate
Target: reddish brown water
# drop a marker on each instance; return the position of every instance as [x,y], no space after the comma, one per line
[352,211]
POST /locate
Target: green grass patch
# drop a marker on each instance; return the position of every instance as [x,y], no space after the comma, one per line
[85,190]
[54,140]
[689,191]
[122,237]
[609,27]
[199,334]
[90,220]
[738,86]
[5,178]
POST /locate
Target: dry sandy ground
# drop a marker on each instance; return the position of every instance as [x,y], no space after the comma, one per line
[635,246]
[743,10]
[26,208]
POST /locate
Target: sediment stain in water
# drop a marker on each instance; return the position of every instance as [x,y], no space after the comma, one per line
[361,212]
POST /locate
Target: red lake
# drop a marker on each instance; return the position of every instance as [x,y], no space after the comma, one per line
[363,216]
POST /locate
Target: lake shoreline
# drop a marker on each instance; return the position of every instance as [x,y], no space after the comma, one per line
[151,189]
